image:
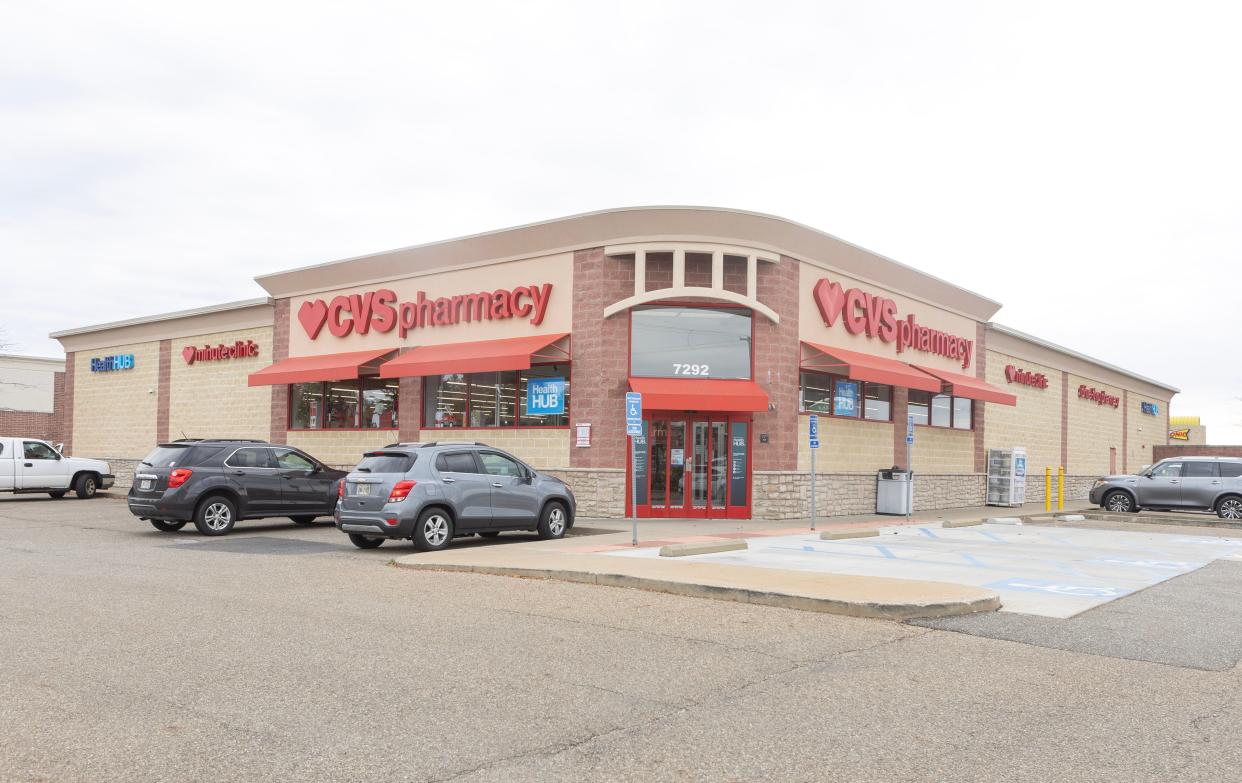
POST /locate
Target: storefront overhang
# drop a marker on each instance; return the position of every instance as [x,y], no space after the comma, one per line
[865,367]
[965,386]
[700,394]
[326,367]
[510,353]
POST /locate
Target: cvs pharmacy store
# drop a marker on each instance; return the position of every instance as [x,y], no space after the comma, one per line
[734,326]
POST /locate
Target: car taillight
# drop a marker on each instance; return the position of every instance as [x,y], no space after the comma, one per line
[400,491]
[340,490]
[178,477]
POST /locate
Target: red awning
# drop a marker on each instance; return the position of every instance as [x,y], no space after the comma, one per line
[326,367]
[966,386]
[865,367]
[699,394]
[510,353]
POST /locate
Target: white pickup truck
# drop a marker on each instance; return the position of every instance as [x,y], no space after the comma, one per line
[33,465]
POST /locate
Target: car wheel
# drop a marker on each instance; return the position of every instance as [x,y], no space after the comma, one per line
[489,534]
[365,542]
[167,527]
[215,516]
[433,531]
[58,494]
[1229,508]
[1119,502]
[553,522]
[304,519]
[86,486]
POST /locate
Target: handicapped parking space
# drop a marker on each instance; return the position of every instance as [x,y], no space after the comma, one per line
[1048,571]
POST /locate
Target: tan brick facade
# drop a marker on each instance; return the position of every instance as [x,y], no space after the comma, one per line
[114,413]
[340,448]
[210,399]
[542,447]
[846,445]
[940,451]
[1094,430]
[1035,422]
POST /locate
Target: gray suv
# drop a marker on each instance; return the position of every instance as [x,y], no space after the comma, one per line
[435,492]
[1210,483]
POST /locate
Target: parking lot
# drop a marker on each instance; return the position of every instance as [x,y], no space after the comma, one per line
[1047,571]
[282,652]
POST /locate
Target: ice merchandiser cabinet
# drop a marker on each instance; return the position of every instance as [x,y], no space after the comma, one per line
[1007,476]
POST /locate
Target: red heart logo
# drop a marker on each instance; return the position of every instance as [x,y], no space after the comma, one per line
[313,314]
[188,354]
[830,298]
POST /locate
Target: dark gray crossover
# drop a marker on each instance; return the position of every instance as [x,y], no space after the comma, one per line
[215,483]
[1204,483]
[434,492]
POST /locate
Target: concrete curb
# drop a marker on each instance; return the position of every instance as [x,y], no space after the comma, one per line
[1004,521]
[1071,518]
[962,523]
[870,609]
[838,535]
[708,548]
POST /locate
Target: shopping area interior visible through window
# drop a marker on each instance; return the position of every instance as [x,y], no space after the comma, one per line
[498,399]
[833,395]
[368,404]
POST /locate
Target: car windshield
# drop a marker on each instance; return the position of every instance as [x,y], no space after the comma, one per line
[385,462]
[166,456]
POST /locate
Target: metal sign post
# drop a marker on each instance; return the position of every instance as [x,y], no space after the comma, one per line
[814,443]
[909,467]
[634,429]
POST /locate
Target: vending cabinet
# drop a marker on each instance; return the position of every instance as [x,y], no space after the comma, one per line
[1007,476]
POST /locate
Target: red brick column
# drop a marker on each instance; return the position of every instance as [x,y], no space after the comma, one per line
[980,407]
[409,407]
[1065,421]
[901,409]
[66,418]
[280,392]
[163,388]
[777,357]
[600,354]
[1125,431]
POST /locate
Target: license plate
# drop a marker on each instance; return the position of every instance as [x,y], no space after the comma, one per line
[362,489]
[146,484]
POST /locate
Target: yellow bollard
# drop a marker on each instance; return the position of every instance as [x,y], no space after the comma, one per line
[1061,488]
[1047,489]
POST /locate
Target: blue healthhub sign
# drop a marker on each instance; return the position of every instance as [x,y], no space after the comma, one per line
[124,361]
[544,396]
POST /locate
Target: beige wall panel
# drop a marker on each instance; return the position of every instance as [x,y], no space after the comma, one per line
[846,446]
[1146,431]
[114,412]
[340,448]
[811,324]
[558,317]
[210,399]
[542,447]
[1035,422]
[1093,430]
[940,451]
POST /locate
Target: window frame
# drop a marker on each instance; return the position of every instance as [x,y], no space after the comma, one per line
[359,384]
[952,410]
[832,379]
[517,403]
[672,303]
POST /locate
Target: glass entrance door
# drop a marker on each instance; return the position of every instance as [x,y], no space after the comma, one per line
[693,465]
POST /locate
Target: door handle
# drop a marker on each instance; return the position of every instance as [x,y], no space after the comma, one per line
[448,480]
[497,484]
[28,464]
[1215,482]
[1174,481]
[239,473]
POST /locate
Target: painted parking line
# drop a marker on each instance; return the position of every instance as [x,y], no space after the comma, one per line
[991,535]
[1066,588]
[928,532]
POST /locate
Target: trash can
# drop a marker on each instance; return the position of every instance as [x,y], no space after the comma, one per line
[894,491]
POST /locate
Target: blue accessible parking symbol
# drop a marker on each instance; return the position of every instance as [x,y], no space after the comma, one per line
[633,413]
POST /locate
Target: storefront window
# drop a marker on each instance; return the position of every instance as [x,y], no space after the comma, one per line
[690,342]
[379,404]
[498,399]
[357,404]
[941,410]
[830,395]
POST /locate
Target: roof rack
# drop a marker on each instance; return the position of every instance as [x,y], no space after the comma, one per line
[218,440]
[425,443]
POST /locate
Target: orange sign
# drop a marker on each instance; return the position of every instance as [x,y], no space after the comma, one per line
[1179,434]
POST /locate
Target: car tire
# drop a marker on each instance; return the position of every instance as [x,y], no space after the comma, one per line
[553,522]
[304,519]
[489,533]
[58,494]
[433,531]
[86,486]
[365,542]
[166,526]
[1119,502]
[215,516]
[1229,508]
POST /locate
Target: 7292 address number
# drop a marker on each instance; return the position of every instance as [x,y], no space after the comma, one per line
[692,369]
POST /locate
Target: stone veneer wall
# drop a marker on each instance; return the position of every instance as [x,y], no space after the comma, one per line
[600,492]
[1076,487]
[787,494]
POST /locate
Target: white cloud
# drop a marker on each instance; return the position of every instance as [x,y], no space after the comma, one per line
[1077,162]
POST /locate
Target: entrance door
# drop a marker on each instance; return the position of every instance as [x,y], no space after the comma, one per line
[693,465]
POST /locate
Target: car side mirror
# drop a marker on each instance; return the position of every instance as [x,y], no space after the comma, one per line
[60,448]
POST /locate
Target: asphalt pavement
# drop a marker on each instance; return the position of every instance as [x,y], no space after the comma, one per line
[283,653]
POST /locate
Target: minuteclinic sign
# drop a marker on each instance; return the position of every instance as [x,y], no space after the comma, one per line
[876,317]
[380,310]
[220,352]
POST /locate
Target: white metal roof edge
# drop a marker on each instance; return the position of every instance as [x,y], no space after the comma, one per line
[1070,352]
[146,319]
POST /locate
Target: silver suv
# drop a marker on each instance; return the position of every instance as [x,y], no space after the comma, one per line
[435,492]
[1211,483]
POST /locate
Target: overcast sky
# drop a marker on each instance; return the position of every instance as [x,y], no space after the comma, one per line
[1078,162]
